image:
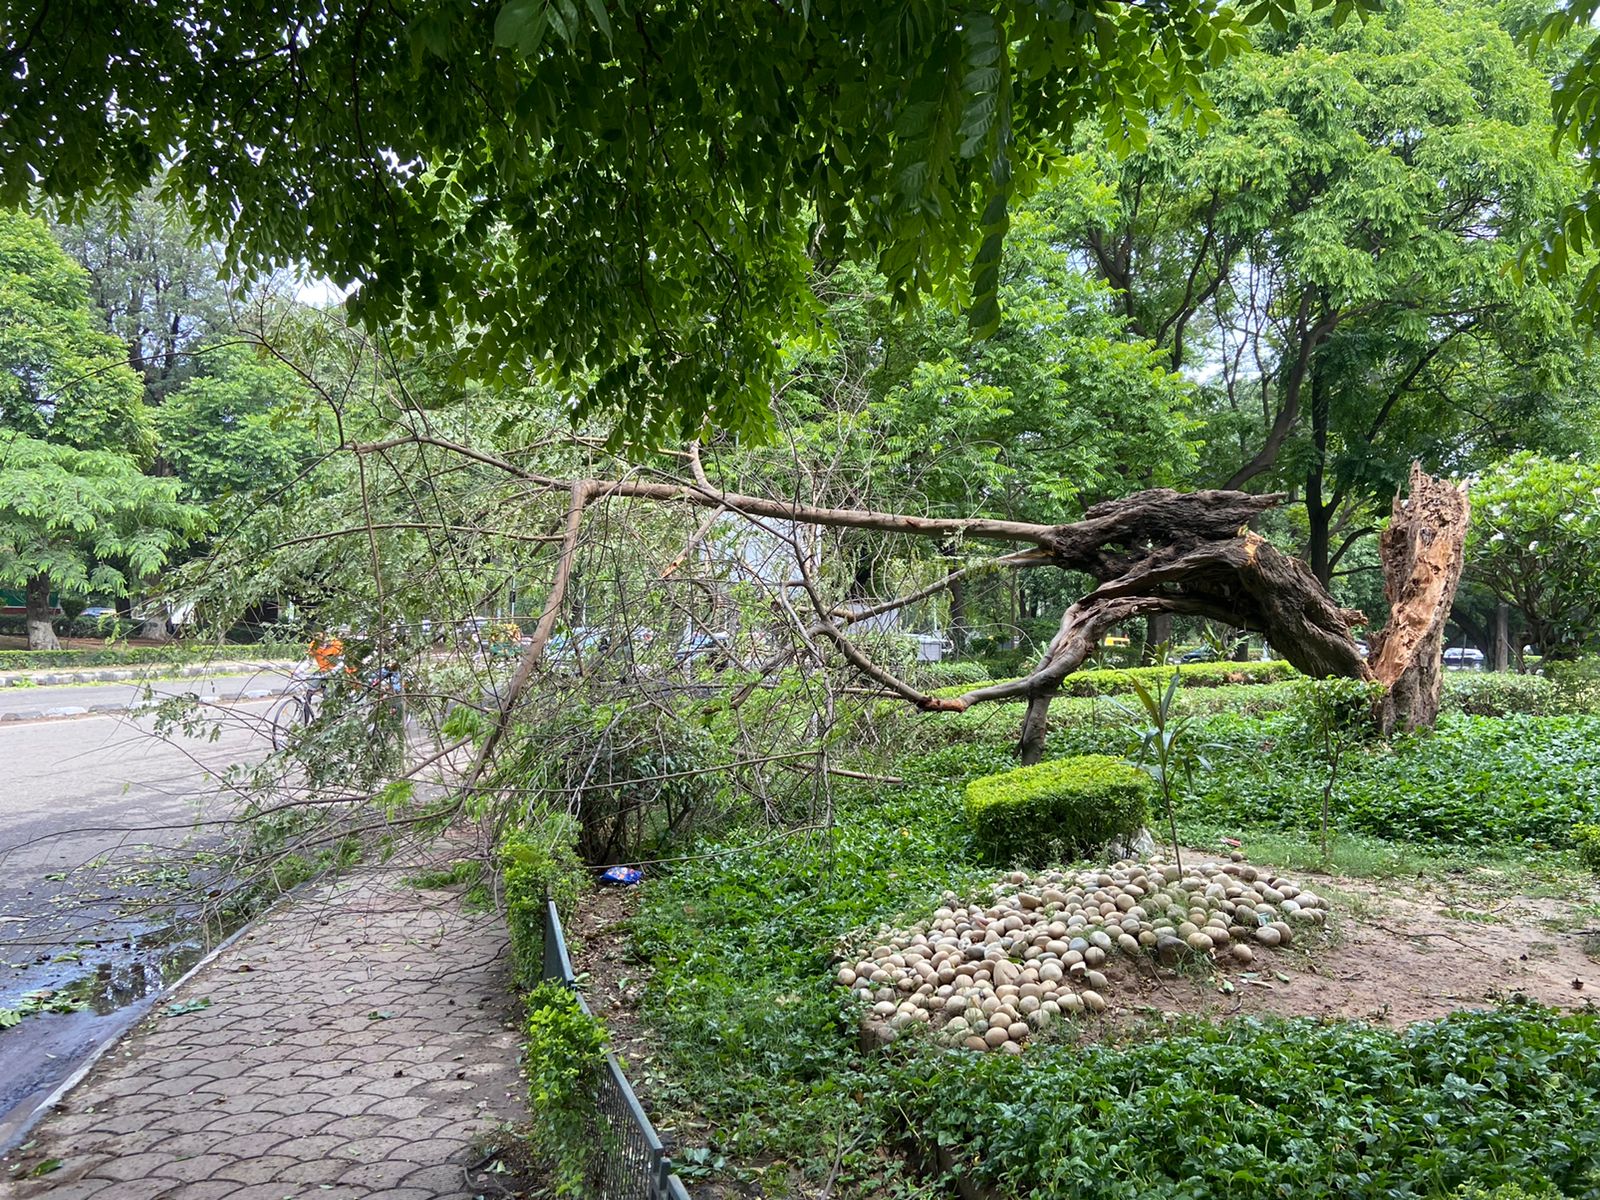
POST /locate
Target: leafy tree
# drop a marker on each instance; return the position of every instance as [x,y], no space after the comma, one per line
[61,378]
[160,290]
[1535,543]
[628,196]
[1336,256]
[68,515]
[239,427]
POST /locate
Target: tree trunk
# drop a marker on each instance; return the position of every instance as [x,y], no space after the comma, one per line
[1157,634]
[1319,516]
[41,634]
[1035,725]
[1422,553]
[958,613]
[1500,651]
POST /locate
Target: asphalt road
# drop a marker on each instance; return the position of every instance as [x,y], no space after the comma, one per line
[35,701]
[98,839]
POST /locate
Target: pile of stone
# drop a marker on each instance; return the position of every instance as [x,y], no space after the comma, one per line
[989,976]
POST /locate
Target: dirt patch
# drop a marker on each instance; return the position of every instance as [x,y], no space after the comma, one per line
[1392,954]
[597,935]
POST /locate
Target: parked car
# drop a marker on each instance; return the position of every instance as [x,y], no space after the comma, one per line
[1463,657]
[1200,654]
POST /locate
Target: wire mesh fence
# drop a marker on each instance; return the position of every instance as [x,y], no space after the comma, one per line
[626,1160]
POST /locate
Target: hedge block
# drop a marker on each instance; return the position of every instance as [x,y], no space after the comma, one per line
[1060,809]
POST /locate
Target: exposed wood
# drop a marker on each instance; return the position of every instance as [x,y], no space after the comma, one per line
[1422,553]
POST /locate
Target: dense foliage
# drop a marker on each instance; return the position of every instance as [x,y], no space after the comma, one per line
[1255,1110]
[630,195]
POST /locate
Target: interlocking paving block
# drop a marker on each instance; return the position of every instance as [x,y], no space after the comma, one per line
[288,1081]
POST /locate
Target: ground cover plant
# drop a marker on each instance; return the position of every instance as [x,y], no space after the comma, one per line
[763,1069]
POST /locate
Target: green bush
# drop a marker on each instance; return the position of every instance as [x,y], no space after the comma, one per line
[636,776]
[562,1055]
[1577,685]
[1199,675]
[537,860]
[1059,809]
[1586,838]
[1264,1109]
[134,656]
[962,675]
[1499,694]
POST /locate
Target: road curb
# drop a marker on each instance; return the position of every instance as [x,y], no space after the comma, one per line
[67,712]
[46,677]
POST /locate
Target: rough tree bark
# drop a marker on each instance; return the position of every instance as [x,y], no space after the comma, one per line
[41,634]
[1422,553]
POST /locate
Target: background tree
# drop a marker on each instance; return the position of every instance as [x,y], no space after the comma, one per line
[241,426]
[159,288]
[61,378]
[1535,544]
[77,522]
[1335,257]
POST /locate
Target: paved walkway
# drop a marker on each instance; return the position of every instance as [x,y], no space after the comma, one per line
[361,1043]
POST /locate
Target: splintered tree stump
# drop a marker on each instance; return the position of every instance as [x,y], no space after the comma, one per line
[1422,552]
[1168,552]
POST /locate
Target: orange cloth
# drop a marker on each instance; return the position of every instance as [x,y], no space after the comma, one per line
[326,654]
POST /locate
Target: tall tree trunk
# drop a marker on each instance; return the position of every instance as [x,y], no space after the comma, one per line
[1422,553]
[1319,516]
[41,634]
[958,613]
[1157,634]
[1500,651]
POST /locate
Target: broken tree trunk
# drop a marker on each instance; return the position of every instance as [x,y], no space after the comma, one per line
[1422,553]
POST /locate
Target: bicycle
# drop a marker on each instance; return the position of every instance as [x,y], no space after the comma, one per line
[298,709]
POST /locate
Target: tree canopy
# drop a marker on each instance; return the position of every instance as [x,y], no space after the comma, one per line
[61,378]
[1335,256]
[625,197]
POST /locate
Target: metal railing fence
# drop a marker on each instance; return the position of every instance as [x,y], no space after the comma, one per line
[627,1160]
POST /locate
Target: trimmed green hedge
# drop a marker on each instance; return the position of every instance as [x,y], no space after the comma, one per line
[1058,809]
[135,656]
[1212,674]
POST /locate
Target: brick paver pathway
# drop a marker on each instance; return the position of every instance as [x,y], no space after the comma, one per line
[361,1043]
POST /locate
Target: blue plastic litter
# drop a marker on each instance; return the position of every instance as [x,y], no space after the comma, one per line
[625,876]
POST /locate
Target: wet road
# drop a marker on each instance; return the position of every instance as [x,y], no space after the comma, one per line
[102,828]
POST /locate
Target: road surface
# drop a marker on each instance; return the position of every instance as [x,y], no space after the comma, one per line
[98,837]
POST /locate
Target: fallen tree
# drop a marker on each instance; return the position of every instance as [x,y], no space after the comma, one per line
[1154,552]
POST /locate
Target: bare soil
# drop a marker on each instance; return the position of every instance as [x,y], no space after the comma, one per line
[1393,953]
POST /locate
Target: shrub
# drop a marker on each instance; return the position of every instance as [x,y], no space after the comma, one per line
[563,1050]
[133,656]
[1197,675]
[1058,809]
[961,675]
[635,776]
[1587,840]
[538,860]
[1499,694]
[1577,685]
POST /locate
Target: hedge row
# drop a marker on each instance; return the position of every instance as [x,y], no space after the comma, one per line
[1212,674]
[134,656]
